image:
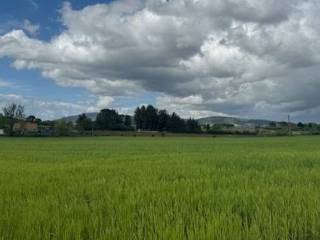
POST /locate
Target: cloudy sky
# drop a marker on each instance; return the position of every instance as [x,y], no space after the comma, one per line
[244,58]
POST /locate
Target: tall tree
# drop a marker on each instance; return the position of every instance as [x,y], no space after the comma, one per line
[109,119]
[2,121]
[138,118]
[177,124]
[127,121]
[143,115]
[192,126]
[83,123]
[13,113]
[151,118]
[163,120]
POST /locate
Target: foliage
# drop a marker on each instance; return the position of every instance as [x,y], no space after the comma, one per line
[163,120]
[63,128]
[127,121]
[192,126]
[273,124]
[2,121]
[84,123]
[109,119]
[151,119]
[300,125]
[176,124]
[160,188]
[12,113]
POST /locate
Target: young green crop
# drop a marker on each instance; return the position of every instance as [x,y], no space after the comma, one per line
[159,188]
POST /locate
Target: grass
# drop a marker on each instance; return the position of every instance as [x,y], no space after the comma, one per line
[160,188]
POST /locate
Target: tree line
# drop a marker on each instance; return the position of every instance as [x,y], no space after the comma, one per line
[145,118]
[151,119]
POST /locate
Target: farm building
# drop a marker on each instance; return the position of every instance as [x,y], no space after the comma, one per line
[25,127]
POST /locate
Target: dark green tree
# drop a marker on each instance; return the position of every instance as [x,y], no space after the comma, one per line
[83,123]
[31,118]
[63,128]
[140,118]
[109,119]
[177,124]
[151,118]
[127,121]
[272,124]
[163,120]
[2,121]
[192,126]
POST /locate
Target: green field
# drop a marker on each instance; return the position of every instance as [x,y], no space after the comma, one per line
[160,188]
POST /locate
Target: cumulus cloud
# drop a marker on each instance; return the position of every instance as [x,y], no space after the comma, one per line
[32,29]
[234,57]
[46,110]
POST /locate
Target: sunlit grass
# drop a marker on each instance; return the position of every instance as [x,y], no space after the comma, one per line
[160,188]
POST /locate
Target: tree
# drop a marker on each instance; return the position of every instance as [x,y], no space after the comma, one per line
[13,113]
[138,118]
[151,118]
[109,119]
[272,124]
[63,128]
[31,118]
[192,126]
[83,123]
[300,125]
[2,121]
[163,120]
[177,124]
[127,121]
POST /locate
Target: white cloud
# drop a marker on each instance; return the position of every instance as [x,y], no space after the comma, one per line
[32,29]
[45,109]
[211,56]
[104,102]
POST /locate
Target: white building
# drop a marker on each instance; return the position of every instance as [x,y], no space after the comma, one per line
[1,132]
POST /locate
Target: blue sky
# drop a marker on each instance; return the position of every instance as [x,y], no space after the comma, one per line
[30,83]
[245,58]
[45,13]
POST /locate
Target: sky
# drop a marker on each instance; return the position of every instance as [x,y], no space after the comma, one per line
[244,58]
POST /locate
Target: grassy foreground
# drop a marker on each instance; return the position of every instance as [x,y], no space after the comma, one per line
[160,188]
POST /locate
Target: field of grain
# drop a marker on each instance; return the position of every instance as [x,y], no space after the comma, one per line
[159,188]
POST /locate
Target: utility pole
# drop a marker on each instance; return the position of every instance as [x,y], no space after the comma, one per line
[289,126]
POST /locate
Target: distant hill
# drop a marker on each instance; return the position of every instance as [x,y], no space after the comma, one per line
[234,121]
[74,118]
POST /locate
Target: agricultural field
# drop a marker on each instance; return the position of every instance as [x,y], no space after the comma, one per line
[160,188]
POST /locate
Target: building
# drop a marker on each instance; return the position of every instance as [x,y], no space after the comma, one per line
[25,127]
[1,132]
